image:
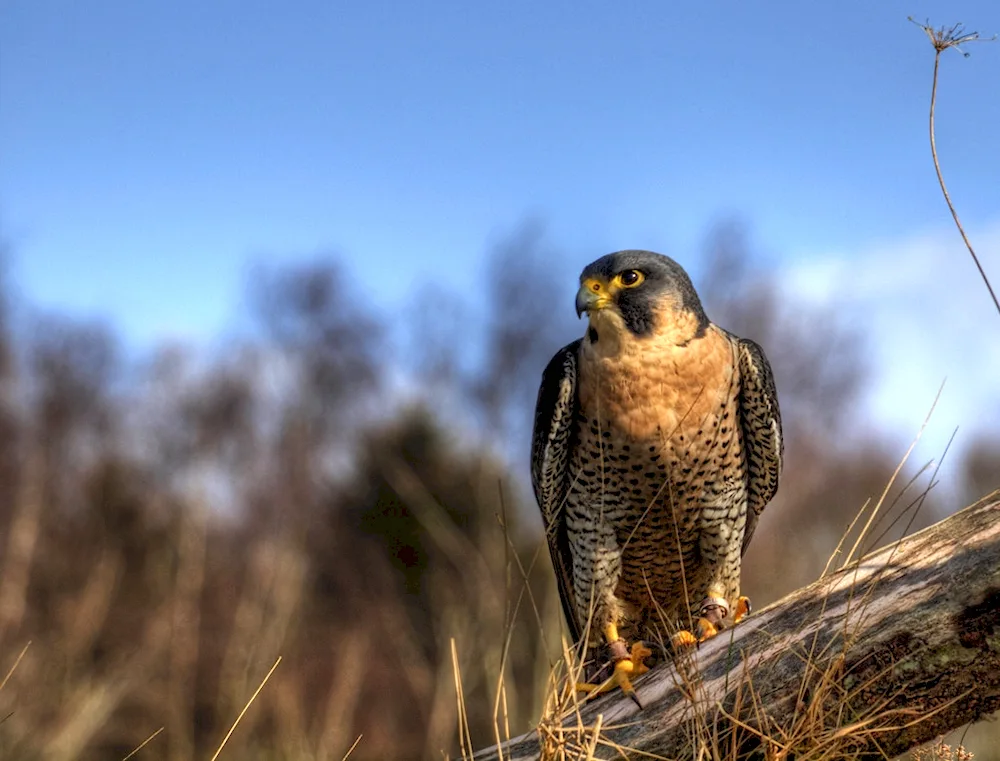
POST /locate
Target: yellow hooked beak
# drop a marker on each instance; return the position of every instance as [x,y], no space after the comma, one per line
[594,294]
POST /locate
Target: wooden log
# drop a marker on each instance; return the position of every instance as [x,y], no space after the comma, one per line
[886,654]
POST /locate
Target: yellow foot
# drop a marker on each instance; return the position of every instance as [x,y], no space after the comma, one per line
[703,630]
[621,678]
[742,609]
[714,611]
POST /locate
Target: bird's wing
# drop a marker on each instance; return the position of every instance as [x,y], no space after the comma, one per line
[762,439]
[552,442]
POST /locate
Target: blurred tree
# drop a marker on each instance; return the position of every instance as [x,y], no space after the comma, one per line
[195,417]
[18,525]
[6,337]
[220,413]
[323,334]
[73,366]
[437,344]
[418,547]
[981,468]
[523,330]
[316,315]
[9,427]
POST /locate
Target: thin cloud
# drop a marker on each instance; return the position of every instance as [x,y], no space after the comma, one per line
[928,318]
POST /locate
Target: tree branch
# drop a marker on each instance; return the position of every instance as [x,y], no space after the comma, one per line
[868,662]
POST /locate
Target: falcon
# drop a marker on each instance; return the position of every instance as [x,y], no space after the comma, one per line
[656,445]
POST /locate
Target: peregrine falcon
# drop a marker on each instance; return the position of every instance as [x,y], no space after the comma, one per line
[657,443]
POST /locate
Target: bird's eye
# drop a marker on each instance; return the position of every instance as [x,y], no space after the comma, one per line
[631,278]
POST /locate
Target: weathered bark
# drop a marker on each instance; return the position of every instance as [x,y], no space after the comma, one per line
[901,647]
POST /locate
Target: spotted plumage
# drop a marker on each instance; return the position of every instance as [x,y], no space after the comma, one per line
[657,444]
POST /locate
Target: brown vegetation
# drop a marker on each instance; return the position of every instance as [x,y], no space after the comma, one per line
[174,524]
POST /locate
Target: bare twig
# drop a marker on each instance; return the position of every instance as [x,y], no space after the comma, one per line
[942,39]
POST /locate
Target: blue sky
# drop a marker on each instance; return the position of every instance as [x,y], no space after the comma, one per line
[149,151]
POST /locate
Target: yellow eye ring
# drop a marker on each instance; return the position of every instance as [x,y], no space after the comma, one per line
[630,278]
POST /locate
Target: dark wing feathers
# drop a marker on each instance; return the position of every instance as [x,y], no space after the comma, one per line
[551,444]
[762,439]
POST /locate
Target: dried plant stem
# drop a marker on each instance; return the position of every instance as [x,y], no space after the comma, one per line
[351,749]
[245,709]
[885,492]
[942,39]
[142,745]
[14,667]
[464,736]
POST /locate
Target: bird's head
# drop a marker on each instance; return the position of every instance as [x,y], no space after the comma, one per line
[639,293]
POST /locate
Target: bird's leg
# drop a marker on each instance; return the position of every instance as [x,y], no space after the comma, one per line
[628,664]
[713,613]
[714,610]
[742,609]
